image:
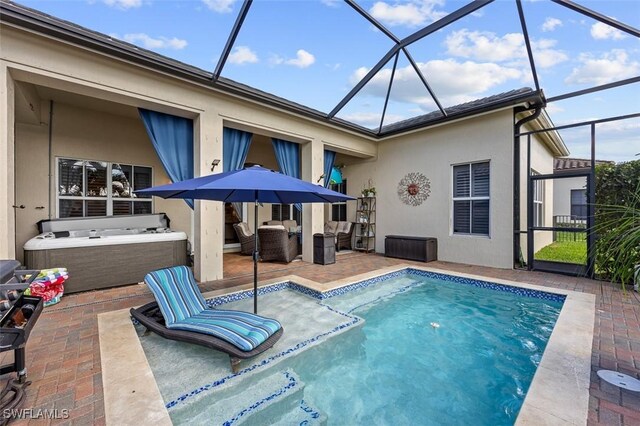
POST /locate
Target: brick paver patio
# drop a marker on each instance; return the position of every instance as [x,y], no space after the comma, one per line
[63,353]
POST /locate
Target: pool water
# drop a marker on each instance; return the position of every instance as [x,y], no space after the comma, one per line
[438,353]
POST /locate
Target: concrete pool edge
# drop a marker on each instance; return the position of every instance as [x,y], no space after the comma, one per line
[558,394]
[131,394]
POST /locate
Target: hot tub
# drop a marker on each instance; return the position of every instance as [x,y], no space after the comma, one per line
[106,252]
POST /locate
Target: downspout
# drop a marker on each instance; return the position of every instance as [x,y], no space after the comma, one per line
[51,192]
[516,177]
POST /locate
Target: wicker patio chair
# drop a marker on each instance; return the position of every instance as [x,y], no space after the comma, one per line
[277,244]
[246,238]
[181,313]
[343,237]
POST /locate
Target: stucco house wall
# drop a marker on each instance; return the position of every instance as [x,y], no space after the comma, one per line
[541,163]
[432,152]
[86,134]
[562,194]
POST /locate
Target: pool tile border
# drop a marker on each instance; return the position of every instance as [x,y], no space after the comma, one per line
[364,283]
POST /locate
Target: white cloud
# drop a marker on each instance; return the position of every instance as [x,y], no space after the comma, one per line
[123,4]
[371,119]
[617,141]
[149,42]
[303,59]
[553,108]
[484,45]
[487,46]
[331,3]
[620,126]
[275,59]
[550,24]
[220,6]
[602,31]
[544,55]
[471,80]
[610,66]
[411,13]
[243,55]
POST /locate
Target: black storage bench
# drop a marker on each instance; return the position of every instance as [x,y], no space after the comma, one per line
[424,249]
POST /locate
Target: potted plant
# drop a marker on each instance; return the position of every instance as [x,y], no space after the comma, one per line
[369,190]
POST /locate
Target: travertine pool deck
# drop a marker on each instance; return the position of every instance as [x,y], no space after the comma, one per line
[63,353]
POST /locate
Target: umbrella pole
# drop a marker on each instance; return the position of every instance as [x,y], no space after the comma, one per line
[255,258]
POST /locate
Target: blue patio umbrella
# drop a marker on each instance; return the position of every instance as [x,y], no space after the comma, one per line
[253,184]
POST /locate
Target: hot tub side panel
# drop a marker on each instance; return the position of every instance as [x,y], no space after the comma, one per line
[92,268]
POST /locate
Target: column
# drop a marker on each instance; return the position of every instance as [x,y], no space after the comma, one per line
[7,175]
[208,232]
[312,214]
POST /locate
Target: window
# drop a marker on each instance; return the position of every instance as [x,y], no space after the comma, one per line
[339,210]
[286,212]
[579,204]
[82,188]
[538,201]
[471,199]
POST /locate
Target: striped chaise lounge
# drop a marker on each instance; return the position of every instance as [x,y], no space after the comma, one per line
[181,313]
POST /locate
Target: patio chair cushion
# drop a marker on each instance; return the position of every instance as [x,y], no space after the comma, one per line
[343,227]
[176,292]
[290,225]
[244,227]
[243,329]
[330,227]
[271,227]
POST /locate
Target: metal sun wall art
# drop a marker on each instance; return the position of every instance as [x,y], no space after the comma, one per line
[414,189]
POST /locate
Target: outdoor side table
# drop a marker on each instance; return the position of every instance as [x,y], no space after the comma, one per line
[324,249]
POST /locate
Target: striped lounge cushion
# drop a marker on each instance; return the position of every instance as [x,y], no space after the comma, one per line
[184,308]
[176,292]
[242,329]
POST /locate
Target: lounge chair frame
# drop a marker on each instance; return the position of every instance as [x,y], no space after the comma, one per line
[151,318]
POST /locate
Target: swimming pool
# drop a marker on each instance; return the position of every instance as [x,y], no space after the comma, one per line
[440,353]
[410,347]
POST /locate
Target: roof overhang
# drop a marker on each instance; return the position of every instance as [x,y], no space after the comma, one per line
[551,139]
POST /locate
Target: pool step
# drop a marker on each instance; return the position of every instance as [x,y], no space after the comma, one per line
[271,402]
[258,402]
[304,414]
[275,400]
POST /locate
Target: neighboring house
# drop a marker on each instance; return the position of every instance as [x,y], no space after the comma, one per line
[69,95]
[570,194]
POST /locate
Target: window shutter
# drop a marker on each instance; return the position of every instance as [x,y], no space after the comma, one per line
[579,196]
[141,178]
[480,218]
[286,212]
[275,212]
[461,181]
[480,179]
[579,203]
[461,215]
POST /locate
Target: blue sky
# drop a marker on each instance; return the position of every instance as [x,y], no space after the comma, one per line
[314,51]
